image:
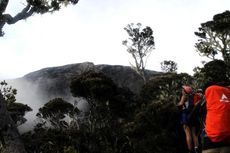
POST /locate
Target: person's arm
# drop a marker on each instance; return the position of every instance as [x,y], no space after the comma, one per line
[183,99]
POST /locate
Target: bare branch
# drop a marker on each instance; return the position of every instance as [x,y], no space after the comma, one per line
[7,18]
[3,5]
[24,14]
[33,6]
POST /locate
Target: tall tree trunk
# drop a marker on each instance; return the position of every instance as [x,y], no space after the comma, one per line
[10,136]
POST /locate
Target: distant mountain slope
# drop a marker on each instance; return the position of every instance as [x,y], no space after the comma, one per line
[42,85]
[54,81]
[37,88]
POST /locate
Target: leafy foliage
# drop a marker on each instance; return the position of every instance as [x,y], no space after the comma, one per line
[93,85]
[51,140]
[214,37]
[43,6]
[17,110]
[169,66]
[8,92]
[139,44]
[101,93]
[165,87]
[213,72]
[157,129]
[55,112]
[110,107]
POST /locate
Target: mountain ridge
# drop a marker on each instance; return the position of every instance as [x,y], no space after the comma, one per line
[123,76]
[45,84]
[38,87]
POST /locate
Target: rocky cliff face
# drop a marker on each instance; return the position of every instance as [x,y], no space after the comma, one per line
[37,88]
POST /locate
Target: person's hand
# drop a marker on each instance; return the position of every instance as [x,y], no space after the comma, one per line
[183,98]
[179,104]
[183,92]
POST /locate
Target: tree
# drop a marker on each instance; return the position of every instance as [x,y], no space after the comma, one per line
[99,91]
[10,137]
[109,107]
[12,114]
[17,110]
[165,87]
[31,7]
[139,44]
[211,72]
[55,112]
[169,66]
[103,95]
[214,37]
[8,92]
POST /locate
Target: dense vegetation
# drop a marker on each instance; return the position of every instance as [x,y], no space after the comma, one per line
[117,120]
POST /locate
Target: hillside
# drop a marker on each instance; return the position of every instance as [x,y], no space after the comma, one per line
[54,81]
[37,88]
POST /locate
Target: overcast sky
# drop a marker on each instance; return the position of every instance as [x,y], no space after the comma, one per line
[93,31]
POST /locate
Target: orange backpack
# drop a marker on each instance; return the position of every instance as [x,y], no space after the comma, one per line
[218,113]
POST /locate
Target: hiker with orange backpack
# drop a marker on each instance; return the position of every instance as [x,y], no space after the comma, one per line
[216,136]
[189,125]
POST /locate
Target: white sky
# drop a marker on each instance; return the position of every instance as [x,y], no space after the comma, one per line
[93,31]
